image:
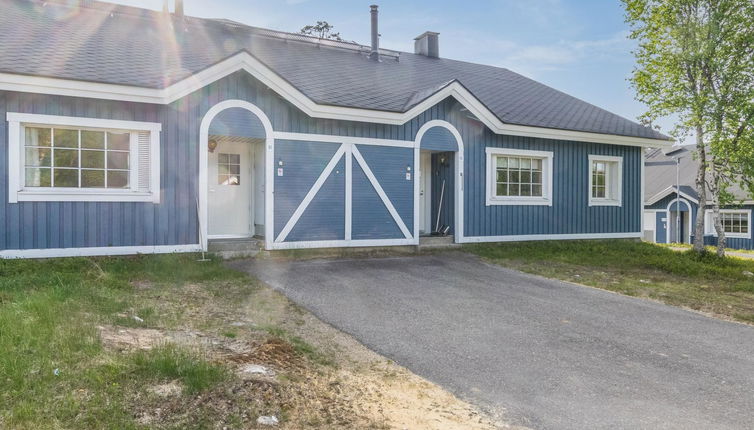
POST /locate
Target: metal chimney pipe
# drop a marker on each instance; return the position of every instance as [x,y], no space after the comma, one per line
[178,7]
[375,54]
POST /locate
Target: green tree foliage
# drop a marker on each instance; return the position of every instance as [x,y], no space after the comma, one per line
[322,30]
[695,61]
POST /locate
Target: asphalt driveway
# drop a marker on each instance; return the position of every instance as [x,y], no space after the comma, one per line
[550,354]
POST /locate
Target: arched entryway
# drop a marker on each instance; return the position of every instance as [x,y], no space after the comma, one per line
[679,221]
[235,148]
[439,188]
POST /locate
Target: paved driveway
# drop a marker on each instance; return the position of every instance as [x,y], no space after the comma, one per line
[552,354]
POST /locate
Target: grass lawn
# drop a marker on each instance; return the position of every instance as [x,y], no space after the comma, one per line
[163,341]
[707,283]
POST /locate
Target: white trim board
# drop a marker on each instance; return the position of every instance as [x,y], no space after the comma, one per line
[491,199]
[610,176]
[247,62]
[664,193]
[538,237]
[343,243]
[97,251]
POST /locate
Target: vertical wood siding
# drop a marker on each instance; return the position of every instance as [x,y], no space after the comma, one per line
[174,221]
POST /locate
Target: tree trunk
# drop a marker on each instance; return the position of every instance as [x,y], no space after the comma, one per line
[701,189]
[715,195]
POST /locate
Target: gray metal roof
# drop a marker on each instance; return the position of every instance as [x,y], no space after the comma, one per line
[138,47]
[660,172]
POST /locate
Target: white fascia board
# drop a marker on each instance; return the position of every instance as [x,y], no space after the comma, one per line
[76,121]
[245,61]
[662,194]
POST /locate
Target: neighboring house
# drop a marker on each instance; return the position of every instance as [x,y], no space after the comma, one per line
[134,131]
[665,223]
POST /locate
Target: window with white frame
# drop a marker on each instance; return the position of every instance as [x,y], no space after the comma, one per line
[735,222]
[519,177]
[605,180]
[82,159]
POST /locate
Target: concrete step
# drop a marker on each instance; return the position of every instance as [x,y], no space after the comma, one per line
[235,248]
[434,242]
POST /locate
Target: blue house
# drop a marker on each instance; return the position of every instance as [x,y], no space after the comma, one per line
[135,131]
[672,202]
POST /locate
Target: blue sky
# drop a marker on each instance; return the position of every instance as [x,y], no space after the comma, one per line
[577,46]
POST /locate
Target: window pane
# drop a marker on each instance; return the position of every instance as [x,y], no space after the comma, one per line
[37,137]
[235,169]
[536,177]
[93,178]
[536,190]
[119,141]
[223,169]
[37,177]
[514,190]
[66,157]
[92,139]
[117,179]
[536,164]
[513,163]
[66,138]
[66,178]
[93,159]
[526,190]
[515,176]
[502,161]
[502,189]
[526,177]
[117,160]
[222,158]
[38,157]
[502,175]
[235,159]
[526,163]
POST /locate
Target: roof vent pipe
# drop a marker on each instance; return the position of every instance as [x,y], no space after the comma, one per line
[179,8]
[428,44]
[165,7]
[375,54]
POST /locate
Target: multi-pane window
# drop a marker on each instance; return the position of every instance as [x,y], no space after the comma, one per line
[605,180]
[518,176]
[599,179]
[735,222]
[229,169]
[76,158]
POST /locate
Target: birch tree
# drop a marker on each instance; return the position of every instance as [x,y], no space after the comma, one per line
[694,62]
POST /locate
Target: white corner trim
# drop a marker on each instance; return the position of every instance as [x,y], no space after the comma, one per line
[349,192]
[547,178]
[709,213]
[18,193]
[610,177]
[247,62]
[538,237]
[97,251]
[662,194]
[311,194]
[383,196]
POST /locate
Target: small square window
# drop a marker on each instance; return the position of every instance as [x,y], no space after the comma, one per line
[229,169]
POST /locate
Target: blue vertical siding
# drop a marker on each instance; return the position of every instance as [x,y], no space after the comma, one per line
[303,163]
[174,220]
[439,139]
[371,219]
[390,165]
[324,218]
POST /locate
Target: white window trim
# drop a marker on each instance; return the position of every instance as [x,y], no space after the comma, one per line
[16,191]
[547,174]
[618,188]
[709,226]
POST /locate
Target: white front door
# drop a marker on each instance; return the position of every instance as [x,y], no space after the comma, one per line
[425,193]
[230,190]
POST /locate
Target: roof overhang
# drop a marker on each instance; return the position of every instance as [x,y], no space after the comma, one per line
[664,193]
[245,61]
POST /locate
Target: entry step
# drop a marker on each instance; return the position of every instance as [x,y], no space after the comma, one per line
[434,242]
[236,248]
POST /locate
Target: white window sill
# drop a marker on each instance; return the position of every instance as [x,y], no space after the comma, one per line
[63,195]
[605,202]
[519,201]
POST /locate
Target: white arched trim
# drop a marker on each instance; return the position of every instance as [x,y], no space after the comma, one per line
[203,160]
[459,177]
[670,221]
